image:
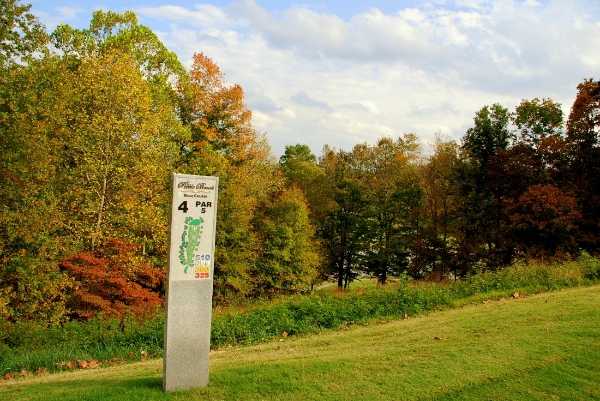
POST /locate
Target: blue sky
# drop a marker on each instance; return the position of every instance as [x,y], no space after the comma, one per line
[342,72]
[342,8]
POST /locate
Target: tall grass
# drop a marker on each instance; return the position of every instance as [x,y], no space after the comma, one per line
[29,346]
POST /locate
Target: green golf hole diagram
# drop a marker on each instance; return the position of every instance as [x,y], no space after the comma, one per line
[190,240]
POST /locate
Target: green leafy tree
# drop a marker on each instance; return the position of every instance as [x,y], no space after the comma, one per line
[537,119]
[393,196]
[300,168]
[110,31]
[290,254]
[540,146]
[483,220]
[299,165]
[342,225]
[489,135]
[21,34]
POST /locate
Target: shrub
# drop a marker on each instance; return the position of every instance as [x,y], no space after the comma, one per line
[590,266]
[112,282]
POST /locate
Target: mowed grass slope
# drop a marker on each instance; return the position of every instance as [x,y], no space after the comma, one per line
[545,347]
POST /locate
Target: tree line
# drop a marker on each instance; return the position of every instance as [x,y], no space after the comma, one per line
[94,120]
[521,184]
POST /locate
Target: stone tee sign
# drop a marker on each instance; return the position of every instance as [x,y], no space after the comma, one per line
[190,283]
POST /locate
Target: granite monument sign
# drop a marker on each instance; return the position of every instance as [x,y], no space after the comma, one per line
[190,281]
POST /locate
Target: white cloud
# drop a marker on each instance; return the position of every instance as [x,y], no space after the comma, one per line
[303,99]
[201,14]
[61,15]
[68,12]
[316,78]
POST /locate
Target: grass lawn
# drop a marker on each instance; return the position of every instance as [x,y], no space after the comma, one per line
[545,347]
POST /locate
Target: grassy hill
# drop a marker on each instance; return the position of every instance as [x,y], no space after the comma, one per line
[544,347]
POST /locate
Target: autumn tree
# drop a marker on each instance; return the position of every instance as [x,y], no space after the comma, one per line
[369,202]
[116,130]
[112,282]
[583,141]
[224,143]
[111,36]
[32,221]
[583,126]
[544,221]
[80,133]
[507,155]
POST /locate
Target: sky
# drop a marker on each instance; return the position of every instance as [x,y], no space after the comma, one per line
[344,72]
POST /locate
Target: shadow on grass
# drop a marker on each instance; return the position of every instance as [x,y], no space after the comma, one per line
[252,381]
[90,388]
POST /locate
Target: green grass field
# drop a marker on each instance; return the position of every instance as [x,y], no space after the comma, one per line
[544,347]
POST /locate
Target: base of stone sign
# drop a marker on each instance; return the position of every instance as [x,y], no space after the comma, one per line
[187,344]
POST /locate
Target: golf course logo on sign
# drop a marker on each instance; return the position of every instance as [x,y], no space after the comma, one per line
[193,227]
[190,239]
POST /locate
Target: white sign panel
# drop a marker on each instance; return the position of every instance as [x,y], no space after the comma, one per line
[193,227]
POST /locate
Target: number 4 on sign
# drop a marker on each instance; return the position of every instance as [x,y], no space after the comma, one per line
[183,207]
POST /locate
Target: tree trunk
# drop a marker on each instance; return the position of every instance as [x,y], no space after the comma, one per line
[100,212]
[342,259]
[383,278]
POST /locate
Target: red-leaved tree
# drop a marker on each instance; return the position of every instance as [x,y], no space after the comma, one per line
[544,221]
[112,281]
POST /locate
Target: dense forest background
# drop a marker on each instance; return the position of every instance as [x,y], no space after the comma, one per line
[93,121]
